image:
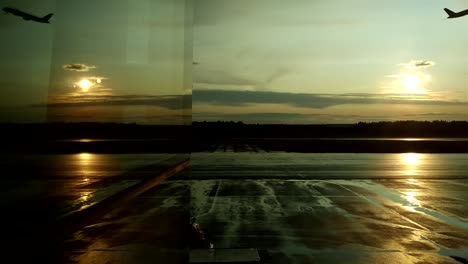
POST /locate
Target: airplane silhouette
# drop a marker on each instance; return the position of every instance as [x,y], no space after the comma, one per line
[455,14]
[27,16]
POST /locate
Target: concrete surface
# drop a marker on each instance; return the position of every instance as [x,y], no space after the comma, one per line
[302,208]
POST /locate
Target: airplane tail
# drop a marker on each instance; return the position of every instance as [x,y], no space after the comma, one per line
[46,18]
[449,12]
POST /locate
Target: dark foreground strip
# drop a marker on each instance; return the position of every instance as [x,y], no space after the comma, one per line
[74,222]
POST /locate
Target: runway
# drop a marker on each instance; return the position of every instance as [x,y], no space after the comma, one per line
[282,202]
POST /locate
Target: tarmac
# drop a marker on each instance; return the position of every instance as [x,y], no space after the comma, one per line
[300,208]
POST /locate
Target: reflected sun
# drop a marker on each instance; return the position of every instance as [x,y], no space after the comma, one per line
[85,156]
[411,159]
[85,84]
[411,163]
[411,198]
[412,201]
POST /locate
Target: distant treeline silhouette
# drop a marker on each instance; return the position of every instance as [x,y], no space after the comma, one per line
[438,128]
[209,136]
[362,129]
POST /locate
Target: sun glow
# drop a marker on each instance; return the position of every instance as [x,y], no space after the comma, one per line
[411,84]
[85,156]
[411,159]
[85,84]
[411,163]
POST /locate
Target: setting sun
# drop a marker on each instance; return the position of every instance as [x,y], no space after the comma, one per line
[85,84]
[411,84]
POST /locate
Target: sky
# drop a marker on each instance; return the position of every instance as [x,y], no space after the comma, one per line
[329,61]
[98,61]
[256,61]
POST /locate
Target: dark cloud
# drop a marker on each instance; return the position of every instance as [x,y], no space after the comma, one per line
[418,64]
[242,98]
[78,67]
[174,102]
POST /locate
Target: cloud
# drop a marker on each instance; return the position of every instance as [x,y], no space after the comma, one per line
[97,79]
[218,78]
[317,101]
[172,102]
[278,74]
[215,79]
[418,64]
[78,67]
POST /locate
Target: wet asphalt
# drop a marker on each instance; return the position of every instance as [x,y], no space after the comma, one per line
[301,208]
